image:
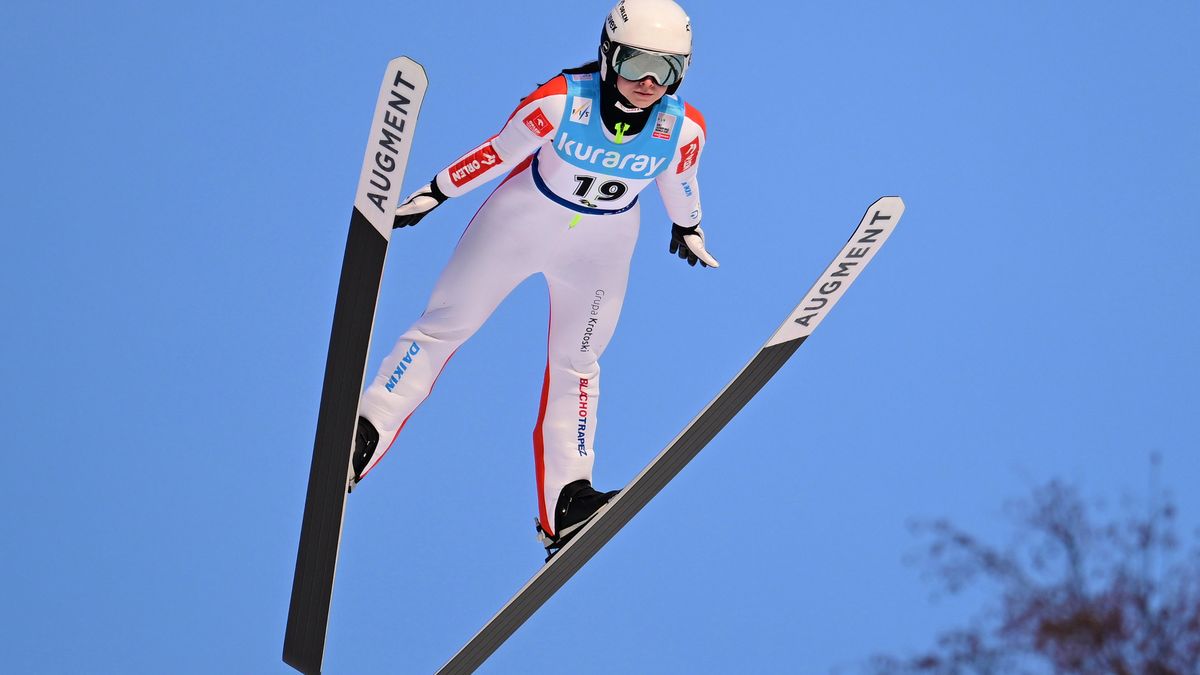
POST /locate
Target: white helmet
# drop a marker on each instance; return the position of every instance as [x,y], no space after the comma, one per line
[646,38]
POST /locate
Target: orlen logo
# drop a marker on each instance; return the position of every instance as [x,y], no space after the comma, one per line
[537,123]
[687,155]
[473,164]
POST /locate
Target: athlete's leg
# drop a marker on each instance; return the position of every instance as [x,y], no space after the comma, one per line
[493,256]
[587,287]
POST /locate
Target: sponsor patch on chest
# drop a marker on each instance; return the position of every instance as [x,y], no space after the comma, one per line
[664,125]
[580,154]
[581,110]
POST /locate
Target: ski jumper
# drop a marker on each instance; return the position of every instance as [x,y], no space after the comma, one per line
[567,209]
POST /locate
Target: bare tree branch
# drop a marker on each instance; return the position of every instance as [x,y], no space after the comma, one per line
[1075,597]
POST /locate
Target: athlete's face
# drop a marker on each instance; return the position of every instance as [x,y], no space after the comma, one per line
[643,93]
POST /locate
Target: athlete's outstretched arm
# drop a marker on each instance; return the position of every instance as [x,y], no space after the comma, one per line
[530,126]
[680,191]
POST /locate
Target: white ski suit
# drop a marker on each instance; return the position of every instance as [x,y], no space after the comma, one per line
[567,209]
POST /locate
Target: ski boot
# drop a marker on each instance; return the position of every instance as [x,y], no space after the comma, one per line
[366,441]
[577,504]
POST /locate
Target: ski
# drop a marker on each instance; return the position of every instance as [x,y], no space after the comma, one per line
[392,128]
[868,237]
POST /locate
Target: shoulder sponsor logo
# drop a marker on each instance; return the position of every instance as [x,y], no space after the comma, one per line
[582,77]
[663,126]
[537,123]
[468,168]
[581,110]
[646,165]
[688,155]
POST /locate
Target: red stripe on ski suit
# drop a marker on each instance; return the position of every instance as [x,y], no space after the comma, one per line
[519,168]
[397,434]
[555,87]
[695,116]
[539,444]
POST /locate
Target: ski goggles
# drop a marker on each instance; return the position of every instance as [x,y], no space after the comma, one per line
[636,64]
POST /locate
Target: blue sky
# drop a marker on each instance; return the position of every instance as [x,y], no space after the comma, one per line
[177,182]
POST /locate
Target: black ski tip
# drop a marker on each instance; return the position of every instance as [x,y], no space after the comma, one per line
[301,664]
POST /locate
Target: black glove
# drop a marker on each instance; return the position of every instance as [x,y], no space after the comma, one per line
[688,244]
[418,204]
